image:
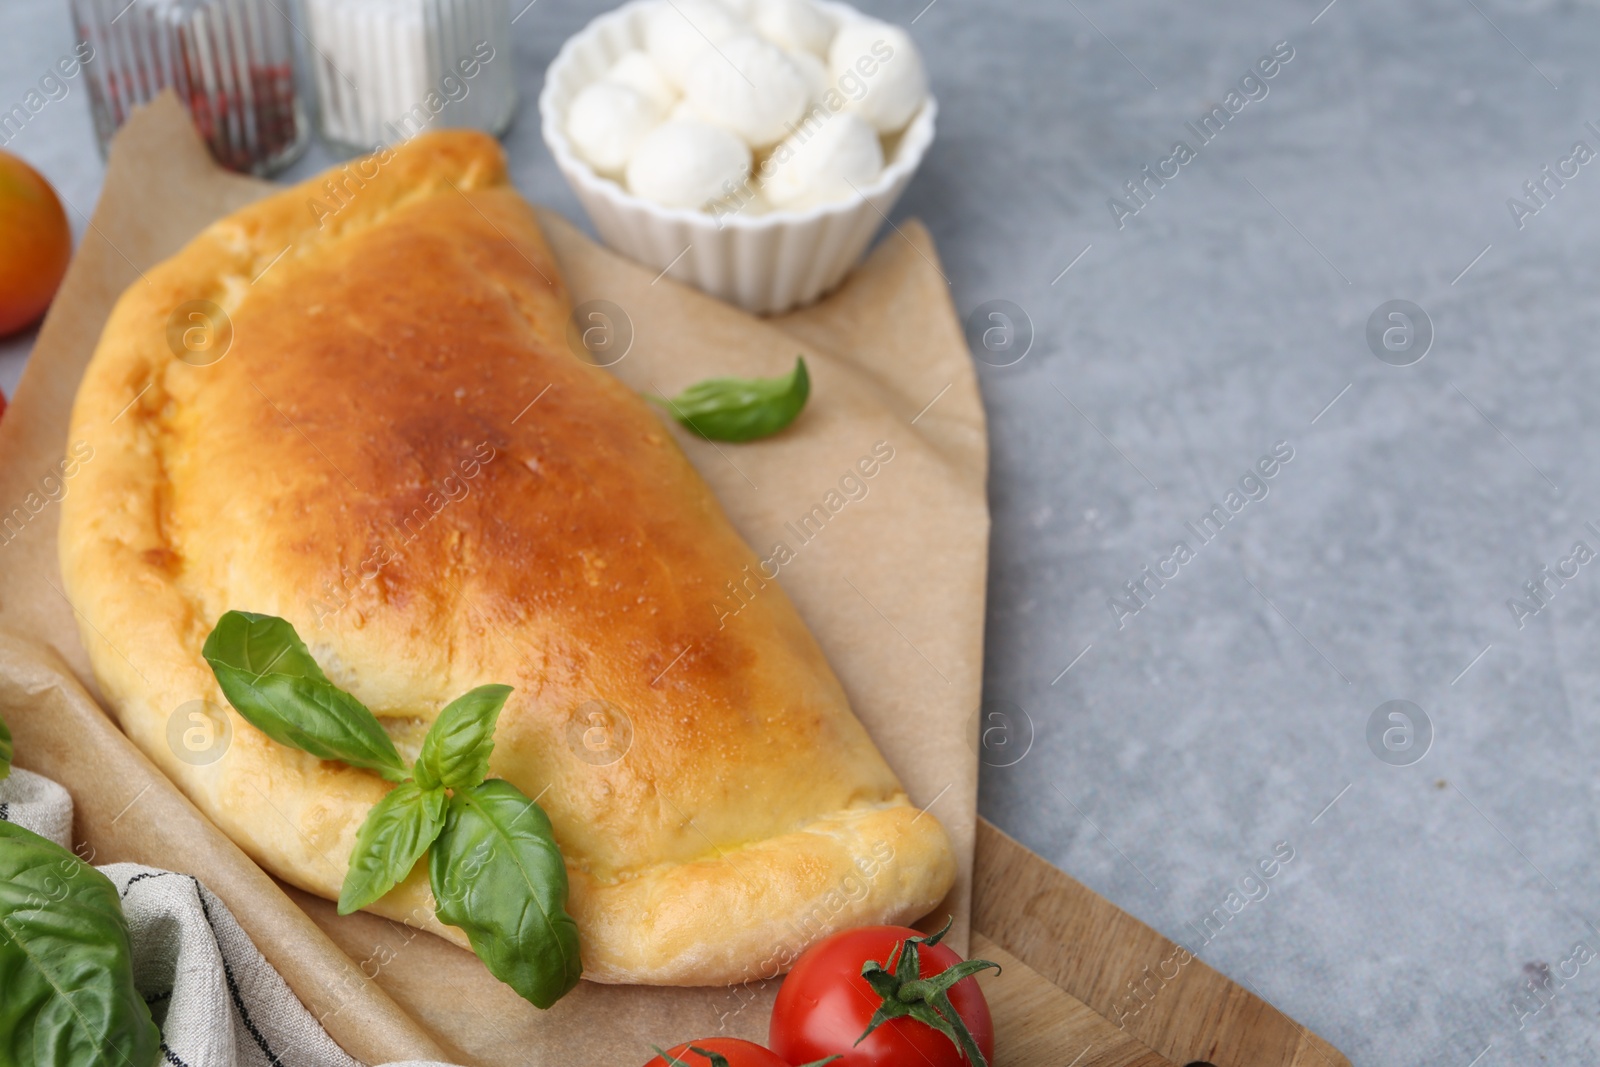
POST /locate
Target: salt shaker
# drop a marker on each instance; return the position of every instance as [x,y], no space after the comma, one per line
[387,69]
[231,62]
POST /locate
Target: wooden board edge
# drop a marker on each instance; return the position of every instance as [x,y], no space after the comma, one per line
[1138,980]
[1039,1024]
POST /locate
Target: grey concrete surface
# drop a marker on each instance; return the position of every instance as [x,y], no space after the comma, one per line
[1228,716]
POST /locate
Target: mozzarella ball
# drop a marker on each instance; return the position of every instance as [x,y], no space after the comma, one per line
[755,204]
[882,59]
[639,72]
[815,74]
[683,111]
[607,121]
[688,165]
[795,25]
[676,33]
[749,86]
[820,162]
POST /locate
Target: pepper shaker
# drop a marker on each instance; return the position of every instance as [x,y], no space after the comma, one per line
[231,62]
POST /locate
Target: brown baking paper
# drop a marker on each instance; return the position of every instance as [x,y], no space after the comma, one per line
[892,586]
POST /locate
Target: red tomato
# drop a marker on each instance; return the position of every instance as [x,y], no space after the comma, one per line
[35,244]
[825,1004]
[737,1052]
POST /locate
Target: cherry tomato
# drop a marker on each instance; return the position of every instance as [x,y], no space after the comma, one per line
[825,1004]
[732,1050]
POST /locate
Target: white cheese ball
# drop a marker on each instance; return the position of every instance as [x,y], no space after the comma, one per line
[755,204]
[883,59]
[741,8]
[639,72]
[795,25]
[815,73]
[677,32]
[688,165]
[607,121]
[820,162]
[749,86]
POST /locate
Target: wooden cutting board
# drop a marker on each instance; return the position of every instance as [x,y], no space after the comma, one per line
[1074,966]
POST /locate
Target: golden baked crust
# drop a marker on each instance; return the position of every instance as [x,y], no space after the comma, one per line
[400,455]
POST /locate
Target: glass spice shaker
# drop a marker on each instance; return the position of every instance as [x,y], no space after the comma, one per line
[388,69]
[231,62]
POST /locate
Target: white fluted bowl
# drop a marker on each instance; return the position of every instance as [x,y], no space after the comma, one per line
[764,263]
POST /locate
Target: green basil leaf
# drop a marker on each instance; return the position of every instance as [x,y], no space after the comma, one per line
[742,409]
[66,969]
[456,751]
[5,751]
[397,831]
[497,874]
[268,675]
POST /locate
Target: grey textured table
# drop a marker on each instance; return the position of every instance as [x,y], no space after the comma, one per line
[1230,712]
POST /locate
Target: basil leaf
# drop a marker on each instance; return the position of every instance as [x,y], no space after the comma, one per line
[497,874]
[268,675]
[66,968]
[456,751]
[742,409]
[5,751]
[397,831]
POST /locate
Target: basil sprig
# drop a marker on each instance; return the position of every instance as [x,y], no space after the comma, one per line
[495,869]
[456,751]
[5,751]
[66,967]
[395,834]
[742,409]
[490,901]
[268,675]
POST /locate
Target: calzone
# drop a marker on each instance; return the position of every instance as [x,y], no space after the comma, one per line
[355,404]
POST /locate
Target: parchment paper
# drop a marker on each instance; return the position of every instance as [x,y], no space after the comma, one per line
[893,588]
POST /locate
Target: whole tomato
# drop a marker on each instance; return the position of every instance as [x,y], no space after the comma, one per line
[35,244]
[731,1051]
[826,1003]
